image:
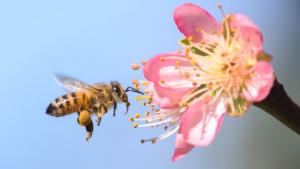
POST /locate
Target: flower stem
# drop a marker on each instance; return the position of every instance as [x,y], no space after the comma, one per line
[279,105]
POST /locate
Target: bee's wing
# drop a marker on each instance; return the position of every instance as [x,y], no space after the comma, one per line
[71,84]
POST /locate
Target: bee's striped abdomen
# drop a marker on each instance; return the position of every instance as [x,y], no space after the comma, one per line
[67,104]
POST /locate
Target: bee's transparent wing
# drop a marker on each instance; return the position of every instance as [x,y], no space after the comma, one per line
[71,84]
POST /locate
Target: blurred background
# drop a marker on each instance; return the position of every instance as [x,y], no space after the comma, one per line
[98,41]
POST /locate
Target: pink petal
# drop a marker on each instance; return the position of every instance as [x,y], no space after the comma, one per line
[153,67]
[181,148]
[162,67]
[171,96]
[200,123]
[164,102]
[189,18]
[248,31]
[260,84]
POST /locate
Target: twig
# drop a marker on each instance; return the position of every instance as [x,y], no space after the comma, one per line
[279,105]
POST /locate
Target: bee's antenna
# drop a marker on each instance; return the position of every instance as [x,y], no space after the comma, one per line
[131,89]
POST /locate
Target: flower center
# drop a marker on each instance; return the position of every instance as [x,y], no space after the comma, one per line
[221,67]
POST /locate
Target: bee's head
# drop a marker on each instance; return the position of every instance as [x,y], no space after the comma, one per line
[121,94]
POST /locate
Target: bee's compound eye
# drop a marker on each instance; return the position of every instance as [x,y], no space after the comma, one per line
[117,91]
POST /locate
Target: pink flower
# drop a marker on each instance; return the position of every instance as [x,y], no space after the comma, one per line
[219,72]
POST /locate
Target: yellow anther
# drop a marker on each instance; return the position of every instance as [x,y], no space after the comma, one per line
[194,63]
[172,121]
[199,30]
[143,97]
[135,66]
[238,46]
[131,119]
[186,75]
[147,114]
[135,81]
[178,63]
[137,115]
[183,104]
[146,91]
[209,85]
[230,49]
[189,57]
[153,141]
[186,51]
[145,83]
[143,62]
[250,62]
[161,81]
[224,54]
[135,125]
[190,38]
[219,5]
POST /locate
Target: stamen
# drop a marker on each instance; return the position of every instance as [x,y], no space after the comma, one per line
[143,62]
[145,83]
[186,75]
[186,51]
[178,63]
[135,82]
[201,49]
[146,91]
[137,115]
[195,93]
[190,38]
[179,51]
[161,81]
[227,33]
[158,123]
[165,135]
[135,125]
[168,133]
[135,66]
[153,140]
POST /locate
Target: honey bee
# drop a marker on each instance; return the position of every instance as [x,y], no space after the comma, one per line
[87,100]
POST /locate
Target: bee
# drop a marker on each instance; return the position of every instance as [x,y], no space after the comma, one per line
[86,100]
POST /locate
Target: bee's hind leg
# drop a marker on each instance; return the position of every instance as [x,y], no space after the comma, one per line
[89,129]
[84,119]
[100,113]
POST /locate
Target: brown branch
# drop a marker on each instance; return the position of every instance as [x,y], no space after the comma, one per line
[279,105]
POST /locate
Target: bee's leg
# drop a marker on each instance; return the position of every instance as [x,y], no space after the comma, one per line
[100,113]
[89,129]
[115,108]
[84,119]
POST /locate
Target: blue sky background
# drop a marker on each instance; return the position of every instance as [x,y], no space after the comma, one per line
[97,41]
